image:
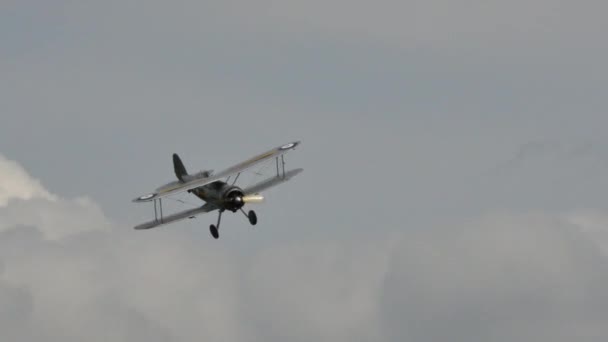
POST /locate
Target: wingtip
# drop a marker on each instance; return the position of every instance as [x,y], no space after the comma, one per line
[290,146]
[292,173]
[145,198]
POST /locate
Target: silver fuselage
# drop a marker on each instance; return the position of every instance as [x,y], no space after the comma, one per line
[221,194]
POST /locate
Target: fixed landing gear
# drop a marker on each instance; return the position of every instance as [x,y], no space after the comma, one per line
[213,229]
[251,216]
[214,232]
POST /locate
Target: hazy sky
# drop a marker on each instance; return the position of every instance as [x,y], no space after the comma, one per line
[455,177]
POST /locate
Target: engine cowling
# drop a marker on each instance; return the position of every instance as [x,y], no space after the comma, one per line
[233,198]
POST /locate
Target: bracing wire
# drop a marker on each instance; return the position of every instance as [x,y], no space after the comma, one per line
[183,202]
[259,173]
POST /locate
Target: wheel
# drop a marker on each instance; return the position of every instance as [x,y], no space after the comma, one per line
[253,218]
[214,232]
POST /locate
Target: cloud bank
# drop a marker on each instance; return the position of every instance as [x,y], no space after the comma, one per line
[67,273]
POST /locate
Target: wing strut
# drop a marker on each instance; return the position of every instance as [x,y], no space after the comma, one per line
[277,166]
[236,178]
[283,163]
[160,205]
[155,214]
[160,202]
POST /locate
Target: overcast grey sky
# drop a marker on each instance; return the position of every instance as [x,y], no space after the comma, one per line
[455,176]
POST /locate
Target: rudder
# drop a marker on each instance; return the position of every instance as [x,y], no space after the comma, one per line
[178,166]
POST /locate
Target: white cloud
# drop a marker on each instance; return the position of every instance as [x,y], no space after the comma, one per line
[501,277]
[15,183]
[25,202]
[317,291]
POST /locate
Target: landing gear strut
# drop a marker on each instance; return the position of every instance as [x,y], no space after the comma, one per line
[251,216]
[215,229]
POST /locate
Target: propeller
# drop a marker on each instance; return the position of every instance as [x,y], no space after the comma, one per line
[254,198]
[236,202]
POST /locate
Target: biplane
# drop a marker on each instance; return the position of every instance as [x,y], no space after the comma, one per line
[216,189]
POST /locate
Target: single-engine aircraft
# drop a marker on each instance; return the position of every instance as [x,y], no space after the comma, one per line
[217,193]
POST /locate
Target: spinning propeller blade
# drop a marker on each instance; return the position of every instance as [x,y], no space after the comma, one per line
[255,198]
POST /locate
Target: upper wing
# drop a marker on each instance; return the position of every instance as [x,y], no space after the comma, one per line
[181,187]
[177,216]
[270,182]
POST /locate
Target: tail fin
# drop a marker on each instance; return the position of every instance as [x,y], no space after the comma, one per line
[180,169]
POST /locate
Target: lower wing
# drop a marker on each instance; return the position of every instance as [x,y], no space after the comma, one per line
[177,216]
